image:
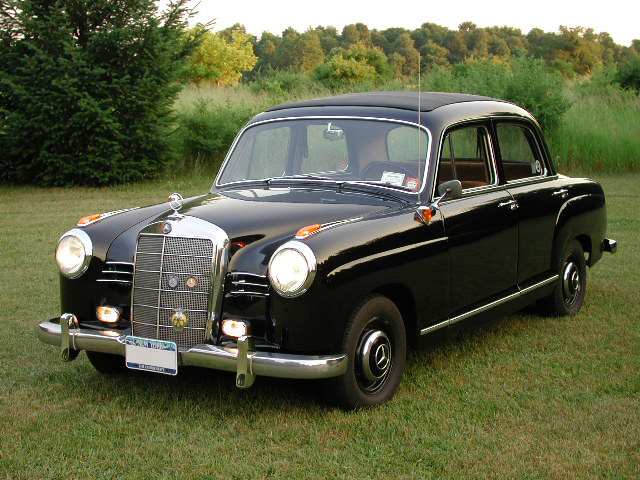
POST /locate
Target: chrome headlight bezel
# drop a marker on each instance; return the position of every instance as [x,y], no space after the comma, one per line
[85,242]
[306,254]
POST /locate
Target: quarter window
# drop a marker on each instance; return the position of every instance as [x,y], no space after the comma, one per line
[519,152]
[465,157]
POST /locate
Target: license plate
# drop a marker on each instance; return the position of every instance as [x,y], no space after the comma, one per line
[151,355]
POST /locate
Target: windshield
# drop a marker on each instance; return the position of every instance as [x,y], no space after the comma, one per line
[380,152]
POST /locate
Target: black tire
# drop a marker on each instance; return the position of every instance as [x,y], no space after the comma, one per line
[568,296]
[376,345]
[107,363]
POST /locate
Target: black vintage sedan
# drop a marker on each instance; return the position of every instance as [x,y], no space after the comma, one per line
[337,232]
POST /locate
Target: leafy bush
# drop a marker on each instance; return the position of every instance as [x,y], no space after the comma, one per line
[86,89]
[521,80]
[629,74]
[206,131]
[355,65]
[285,85]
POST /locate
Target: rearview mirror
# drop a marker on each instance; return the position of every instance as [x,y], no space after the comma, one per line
[333,133]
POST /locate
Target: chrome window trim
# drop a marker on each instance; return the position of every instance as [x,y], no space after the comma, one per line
[331,182]
[488,306]
[541,152]
[491,153]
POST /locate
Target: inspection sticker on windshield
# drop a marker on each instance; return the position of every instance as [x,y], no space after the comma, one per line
[393,178]
[151,355]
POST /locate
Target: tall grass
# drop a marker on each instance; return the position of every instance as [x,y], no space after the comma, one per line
[523,397]
[600,132]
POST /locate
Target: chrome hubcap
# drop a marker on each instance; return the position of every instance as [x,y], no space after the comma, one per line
[373,359]
[570,283]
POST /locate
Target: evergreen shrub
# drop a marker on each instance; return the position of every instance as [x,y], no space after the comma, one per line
[86,89]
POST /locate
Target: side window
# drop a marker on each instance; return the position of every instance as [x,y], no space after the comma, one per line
[519,152]
[326,149]
[465,157]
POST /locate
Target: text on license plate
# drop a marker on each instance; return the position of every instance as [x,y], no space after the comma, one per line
[151,355]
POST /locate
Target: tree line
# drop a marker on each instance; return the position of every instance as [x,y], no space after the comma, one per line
[358,54]
[87,87]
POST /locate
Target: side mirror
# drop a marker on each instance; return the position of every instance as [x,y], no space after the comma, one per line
[450,190]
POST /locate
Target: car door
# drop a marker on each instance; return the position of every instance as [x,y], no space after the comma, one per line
[481,227]
[538,192]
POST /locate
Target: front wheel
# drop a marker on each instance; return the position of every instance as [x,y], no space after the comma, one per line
[568,296]
[375,342]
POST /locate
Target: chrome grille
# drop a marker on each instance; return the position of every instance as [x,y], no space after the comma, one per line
[117,272]
[162,261]
[250,284]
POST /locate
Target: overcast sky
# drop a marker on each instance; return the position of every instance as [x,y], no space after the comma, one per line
[619,18]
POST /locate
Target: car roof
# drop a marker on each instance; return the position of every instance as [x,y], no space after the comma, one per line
[424,101]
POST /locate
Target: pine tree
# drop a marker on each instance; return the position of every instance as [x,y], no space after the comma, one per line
[86,89]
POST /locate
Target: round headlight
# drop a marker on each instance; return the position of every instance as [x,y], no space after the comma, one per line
[292,268]
[74,253]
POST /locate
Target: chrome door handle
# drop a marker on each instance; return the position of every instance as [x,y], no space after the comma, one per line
[563,192]
[512,204]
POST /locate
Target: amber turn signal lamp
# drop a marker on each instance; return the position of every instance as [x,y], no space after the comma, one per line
[89,219]
[306,231]
[234,328]
[108,314]
[424,214]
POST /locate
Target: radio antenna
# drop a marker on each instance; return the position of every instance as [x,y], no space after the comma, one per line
[420,177]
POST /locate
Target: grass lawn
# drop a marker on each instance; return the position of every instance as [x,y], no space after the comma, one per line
[523,397]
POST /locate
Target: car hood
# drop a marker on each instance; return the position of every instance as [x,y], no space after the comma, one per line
[266,217]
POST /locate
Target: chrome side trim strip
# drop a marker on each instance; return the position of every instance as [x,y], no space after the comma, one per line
[435,327]
[488,306]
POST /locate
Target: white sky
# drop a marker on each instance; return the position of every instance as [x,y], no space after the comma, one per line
[620,18]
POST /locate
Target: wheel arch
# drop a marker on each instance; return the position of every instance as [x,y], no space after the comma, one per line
[404,300]
[585,242]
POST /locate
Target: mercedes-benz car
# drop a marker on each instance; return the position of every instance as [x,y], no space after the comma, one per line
[338,232]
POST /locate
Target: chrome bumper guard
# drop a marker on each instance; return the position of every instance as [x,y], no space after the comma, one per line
[609,245]
[244,360]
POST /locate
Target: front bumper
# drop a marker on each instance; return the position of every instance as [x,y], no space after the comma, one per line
[244,360]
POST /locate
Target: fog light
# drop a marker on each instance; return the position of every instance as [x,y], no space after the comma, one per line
[108,314]
[234,328]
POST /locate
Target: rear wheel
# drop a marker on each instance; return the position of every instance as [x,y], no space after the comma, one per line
[375,342]
[568,296]
[107,363]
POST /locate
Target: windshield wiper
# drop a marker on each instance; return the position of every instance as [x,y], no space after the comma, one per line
[382,183]
[307,176]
